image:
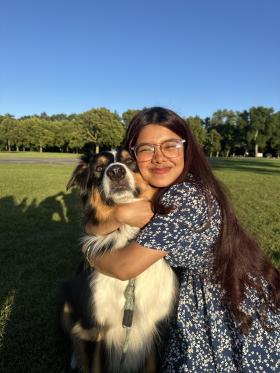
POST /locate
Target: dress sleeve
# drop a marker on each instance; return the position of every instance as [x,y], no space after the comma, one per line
[188,232]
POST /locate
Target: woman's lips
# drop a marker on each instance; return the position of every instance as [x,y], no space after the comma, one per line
[160,171]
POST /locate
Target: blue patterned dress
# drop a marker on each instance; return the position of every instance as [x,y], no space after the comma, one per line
[203,336]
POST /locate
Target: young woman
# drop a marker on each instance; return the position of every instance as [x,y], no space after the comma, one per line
[228,315]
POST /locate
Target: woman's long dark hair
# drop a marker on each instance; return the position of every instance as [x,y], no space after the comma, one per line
[239,262]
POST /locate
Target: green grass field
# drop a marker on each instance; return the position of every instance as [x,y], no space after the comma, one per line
[37,155]
[40,229]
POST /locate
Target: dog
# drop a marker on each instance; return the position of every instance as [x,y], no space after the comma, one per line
[93,314]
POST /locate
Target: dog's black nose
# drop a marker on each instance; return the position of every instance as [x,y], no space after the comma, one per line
[116,172]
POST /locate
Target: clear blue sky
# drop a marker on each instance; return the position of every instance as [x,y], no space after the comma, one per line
[193,56]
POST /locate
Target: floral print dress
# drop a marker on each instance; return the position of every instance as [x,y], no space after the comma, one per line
[203,336]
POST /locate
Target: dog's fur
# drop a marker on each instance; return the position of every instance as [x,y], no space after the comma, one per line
[94,303]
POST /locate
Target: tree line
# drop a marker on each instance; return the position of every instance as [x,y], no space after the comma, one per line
[226,133]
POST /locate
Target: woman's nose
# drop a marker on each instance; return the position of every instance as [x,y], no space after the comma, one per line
[158,155]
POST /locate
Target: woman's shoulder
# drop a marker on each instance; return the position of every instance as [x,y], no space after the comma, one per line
[188,189]
[193,196]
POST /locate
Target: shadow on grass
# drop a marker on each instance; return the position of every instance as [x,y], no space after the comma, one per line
[39,249]
[242,164]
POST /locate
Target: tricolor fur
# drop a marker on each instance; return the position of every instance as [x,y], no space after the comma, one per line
[94,305]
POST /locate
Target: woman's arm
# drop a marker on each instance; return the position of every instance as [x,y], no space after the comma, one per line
[127,262]
[136,214]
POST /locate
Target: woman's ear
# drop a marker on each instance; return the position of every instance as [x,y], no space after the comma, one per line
[79,178]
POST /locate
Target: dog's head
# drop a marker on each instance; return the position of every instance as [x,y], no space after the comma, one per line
[108,178]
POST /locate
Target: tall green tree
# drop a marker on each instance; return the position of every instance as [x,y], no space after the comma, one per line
[59,130]
[59,117]
[26,126]
[74,135]
[127,116]
[259,127]
[195,124]
[8,132]
[213,143]
[42,135]
[225,122]
[241,143]
[103,127]
[274,141]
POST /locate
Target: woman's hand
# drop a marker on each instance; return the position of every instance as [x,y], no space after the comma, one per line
[136,214]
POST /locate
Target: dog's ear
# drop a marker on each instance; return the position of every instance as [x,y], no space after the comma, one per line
[80,177]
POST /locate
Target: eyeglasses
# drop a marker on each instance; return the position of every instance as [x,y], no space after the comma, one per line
[169,148]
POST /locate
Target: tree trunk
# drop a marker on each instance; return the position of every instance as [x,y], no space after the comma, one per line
[211,154]
[40,149]
[9,146]
[256,149]
[96,148]
[217,154]
[227,153]
[256,145]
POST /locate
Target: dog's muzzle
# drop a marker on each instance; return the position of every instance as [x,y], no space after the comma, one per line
[118,183]
[116,172]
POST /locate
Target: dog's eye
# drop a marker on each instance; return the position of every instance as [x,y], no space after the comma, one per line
[100,168]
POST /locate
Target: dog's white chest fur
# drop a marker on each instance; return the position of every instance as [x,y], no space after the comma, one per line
[154,297]
[155,294]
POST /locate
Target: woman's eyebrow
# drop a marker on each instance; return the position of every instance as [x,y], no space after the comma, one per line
[152,143]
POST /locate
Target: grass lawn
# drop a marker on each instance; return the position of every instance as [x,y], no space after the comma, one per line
[254,189]
[40,229]
[37,155]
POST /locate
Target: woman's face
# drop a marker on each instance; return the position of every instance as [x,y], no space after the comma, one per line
[160,171]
